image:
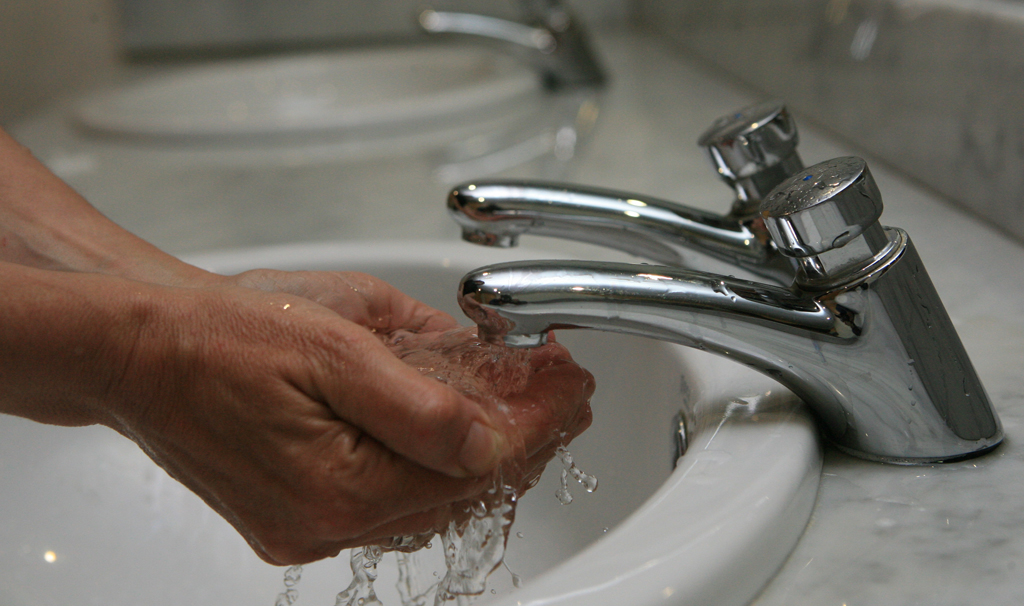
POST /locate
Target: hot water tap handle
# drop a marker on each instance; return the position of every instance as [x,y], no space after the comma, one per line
[753,150]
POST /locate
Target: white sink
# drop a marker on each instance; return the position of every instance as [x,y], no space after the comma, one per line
[323,94]
[88,519]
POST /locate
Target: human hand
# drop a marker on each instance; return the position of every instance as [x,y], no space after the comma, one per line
[296,425]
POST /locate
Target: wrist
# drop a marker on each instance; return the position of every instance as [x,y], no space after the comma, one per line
[65,343]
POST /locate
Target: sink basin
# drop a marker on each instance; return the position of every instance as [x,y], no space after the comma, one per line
[322,94]
[88,519]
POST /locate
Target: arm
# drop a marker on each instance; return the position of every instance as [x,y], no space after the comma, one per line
[46,224]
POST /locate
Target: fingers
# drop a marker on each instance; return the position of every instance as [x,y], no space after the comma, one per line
[363,493]
[388,309]
[554,407]
[415,416]
[357,297]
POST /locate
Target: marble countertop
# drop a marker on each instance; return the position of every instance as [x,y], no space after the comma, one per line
[880,534]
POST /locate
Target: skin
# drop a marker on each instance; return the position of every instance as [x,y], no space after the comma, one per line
[269,394]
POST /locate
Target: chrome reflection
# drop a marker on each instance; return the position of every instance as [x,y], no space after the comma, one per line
[752,150]
[866,342]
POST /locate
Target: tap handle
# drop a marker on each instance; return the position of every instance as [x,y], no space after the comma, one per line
[827,217]
[754,149]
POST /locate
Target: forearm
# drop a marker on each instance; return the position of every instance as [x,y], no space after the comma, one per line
[46,224]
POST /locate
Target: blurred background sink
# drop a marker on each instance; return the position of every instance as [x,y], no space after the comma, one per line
[88,519]
[325,94]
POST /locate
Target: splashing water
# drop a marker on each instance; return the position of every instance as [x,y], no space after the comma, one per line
[569,468]
[517,581]
[473,551]
[406,584]
[290,595]
[360,592]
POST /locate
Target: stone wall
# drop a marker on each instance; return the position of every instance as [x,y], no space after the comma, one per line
[933,87]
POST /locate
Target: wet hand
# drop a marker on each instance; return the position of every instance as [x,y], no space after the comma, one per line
[297,425]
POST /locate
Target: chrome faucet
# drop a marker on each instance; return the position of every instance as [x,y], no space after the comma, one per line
[861,335]
[752,150]
[551,34]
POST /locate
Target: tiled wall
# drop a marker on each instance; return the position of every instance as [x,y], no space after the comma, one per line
[48,47]
[934,87]
[170,24]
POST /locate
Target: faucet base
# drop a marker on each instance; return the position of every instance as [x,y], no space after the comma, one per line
[981,451]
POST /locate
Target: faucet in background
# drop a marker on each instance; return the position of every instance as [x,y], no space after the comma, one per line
[860,335]
[552,35]
[752,150]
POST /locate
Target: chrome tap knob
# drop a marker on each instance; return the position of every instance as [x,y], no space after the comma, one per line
[827,218]
[753,150]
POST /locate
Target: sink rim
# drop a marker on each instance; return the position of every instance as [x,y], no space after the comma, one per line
[749,534]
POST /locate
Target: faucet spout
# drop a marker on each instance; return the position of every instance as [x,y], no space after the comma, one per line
[861,336]
[496,213]
[752,150]
[554,40]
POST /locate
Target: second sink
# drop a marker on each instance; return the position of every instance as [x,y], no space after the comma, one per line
[328,93]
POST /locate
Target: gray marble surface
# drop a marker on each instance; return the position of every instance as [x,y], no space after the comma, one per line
[880,534]
[933,87]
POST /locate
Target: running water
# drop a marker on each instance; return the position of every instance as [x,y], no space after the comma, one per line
[475,539]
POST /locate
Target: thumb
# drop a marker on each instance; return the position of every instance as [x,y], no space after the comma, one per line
[415,416]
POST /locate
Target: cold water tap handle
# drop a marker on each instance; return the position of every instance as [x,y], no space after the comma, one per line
[827,218]
[754,149]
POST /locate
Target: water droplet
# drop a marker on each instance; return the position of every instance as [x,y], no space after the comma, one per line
[517,581]
[519,534]
[588,481]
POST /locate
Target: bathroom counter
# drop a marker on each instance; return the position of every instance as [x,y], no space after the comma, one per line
[880,534]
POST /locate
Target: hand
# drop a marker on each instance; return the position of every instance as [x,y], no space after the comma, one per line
[298,426]
[310,436]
